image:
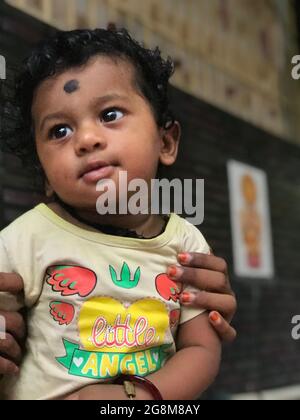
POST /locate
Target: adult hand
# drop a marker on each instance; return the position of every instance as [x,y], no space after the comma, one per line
[209,274]
[14,325]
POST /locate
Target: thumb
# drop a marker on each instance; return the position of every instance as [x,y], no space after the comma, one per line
[225,331]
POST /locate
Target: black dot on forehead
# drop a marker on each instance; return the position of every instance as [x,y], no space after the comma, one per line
[71,86]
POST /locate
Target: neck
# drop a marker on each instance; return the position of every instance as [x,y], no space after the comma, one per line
[146,225]
[143,225]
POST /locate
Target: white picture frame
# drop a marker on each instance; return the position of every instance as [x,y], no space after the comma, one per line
[250,221]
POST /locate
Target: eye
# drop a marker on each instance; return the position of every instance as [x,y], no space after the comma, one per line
[111,114]
[59,132]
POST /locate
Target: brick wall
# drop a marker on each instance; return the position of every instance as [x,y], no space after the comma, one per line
[229,53]
[18,33]
[264,355]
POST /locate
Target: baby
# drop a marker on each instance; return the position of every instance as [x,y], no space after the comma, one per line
[93,105]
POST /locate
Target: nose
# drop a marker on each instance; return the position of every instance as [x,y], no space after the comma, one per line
[88,139]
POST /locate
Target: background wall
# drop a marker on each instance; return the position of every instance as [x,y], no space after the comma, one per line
[18,32]
[264,355]
[234,54]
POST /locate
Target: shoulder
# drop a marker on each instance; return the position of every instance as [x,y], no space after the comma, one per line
[192,240]
[27,222]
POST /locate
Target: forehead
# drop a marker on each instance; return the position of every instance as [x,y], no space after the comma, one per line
[99,76]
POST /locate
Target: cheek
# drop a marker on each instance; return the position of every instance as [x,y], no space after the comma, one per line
[55,168]
[142,168]
[44,157]
[143,154]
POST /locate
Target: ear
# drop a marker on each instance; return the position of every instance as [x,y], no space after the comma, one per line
[169,144]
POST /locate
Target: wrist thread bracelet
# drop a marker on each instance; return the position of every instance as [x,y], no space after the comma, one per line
[128,383]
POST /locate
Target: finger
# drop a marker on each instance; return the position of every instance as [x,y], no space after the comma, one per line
[225,304]
[14,324]
[207,261]
[7,367]
[225,331]
[11,282]
[202,279]
[9,347]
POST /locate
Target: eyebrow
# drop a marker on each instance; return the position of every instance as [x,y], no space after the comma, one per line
[94,102]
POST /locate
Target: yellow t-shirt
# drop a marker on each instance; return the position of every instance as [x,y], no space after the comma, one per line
[99,305]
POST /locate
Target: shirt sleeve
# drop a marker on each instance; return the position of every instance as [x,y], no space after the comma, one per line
[193,241]
[8,302]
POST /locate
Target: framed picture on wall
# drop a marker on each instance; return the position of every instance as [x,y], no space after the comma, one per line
[250,221]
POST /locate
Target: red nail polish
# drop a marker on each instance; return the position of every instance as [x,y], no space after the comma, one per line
[185,297]
[214,316]
[183,257]
[172,271]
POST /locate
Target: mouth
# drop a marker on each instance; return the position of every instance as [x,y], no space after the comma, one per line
[95,171]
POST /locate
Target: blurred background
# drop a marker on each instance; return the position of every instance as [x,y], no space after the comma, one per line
[238,99]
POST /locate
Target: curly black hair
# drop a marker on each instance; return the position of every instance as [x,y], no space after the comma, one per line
[69,49]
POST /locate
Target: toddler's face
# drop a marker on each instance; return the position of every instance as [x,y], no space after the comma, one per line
[91,123]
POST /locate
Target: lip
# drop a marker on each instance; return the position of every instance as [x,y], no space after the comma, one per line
[94,171]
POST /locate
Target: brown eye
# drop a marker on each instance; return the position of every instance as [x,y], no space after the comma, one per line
[111,114]
[59,132]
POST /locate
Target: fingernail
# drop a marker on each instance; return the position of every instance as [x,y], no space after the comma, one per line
[184,257]
[214,316]
[16,370]
[174,272]
[187,297]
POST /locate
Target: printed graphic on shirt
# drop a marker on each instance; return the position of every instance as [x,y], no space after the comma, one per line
[167,288]
[62,312]
[125,279]
[118,338]
[71,280]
